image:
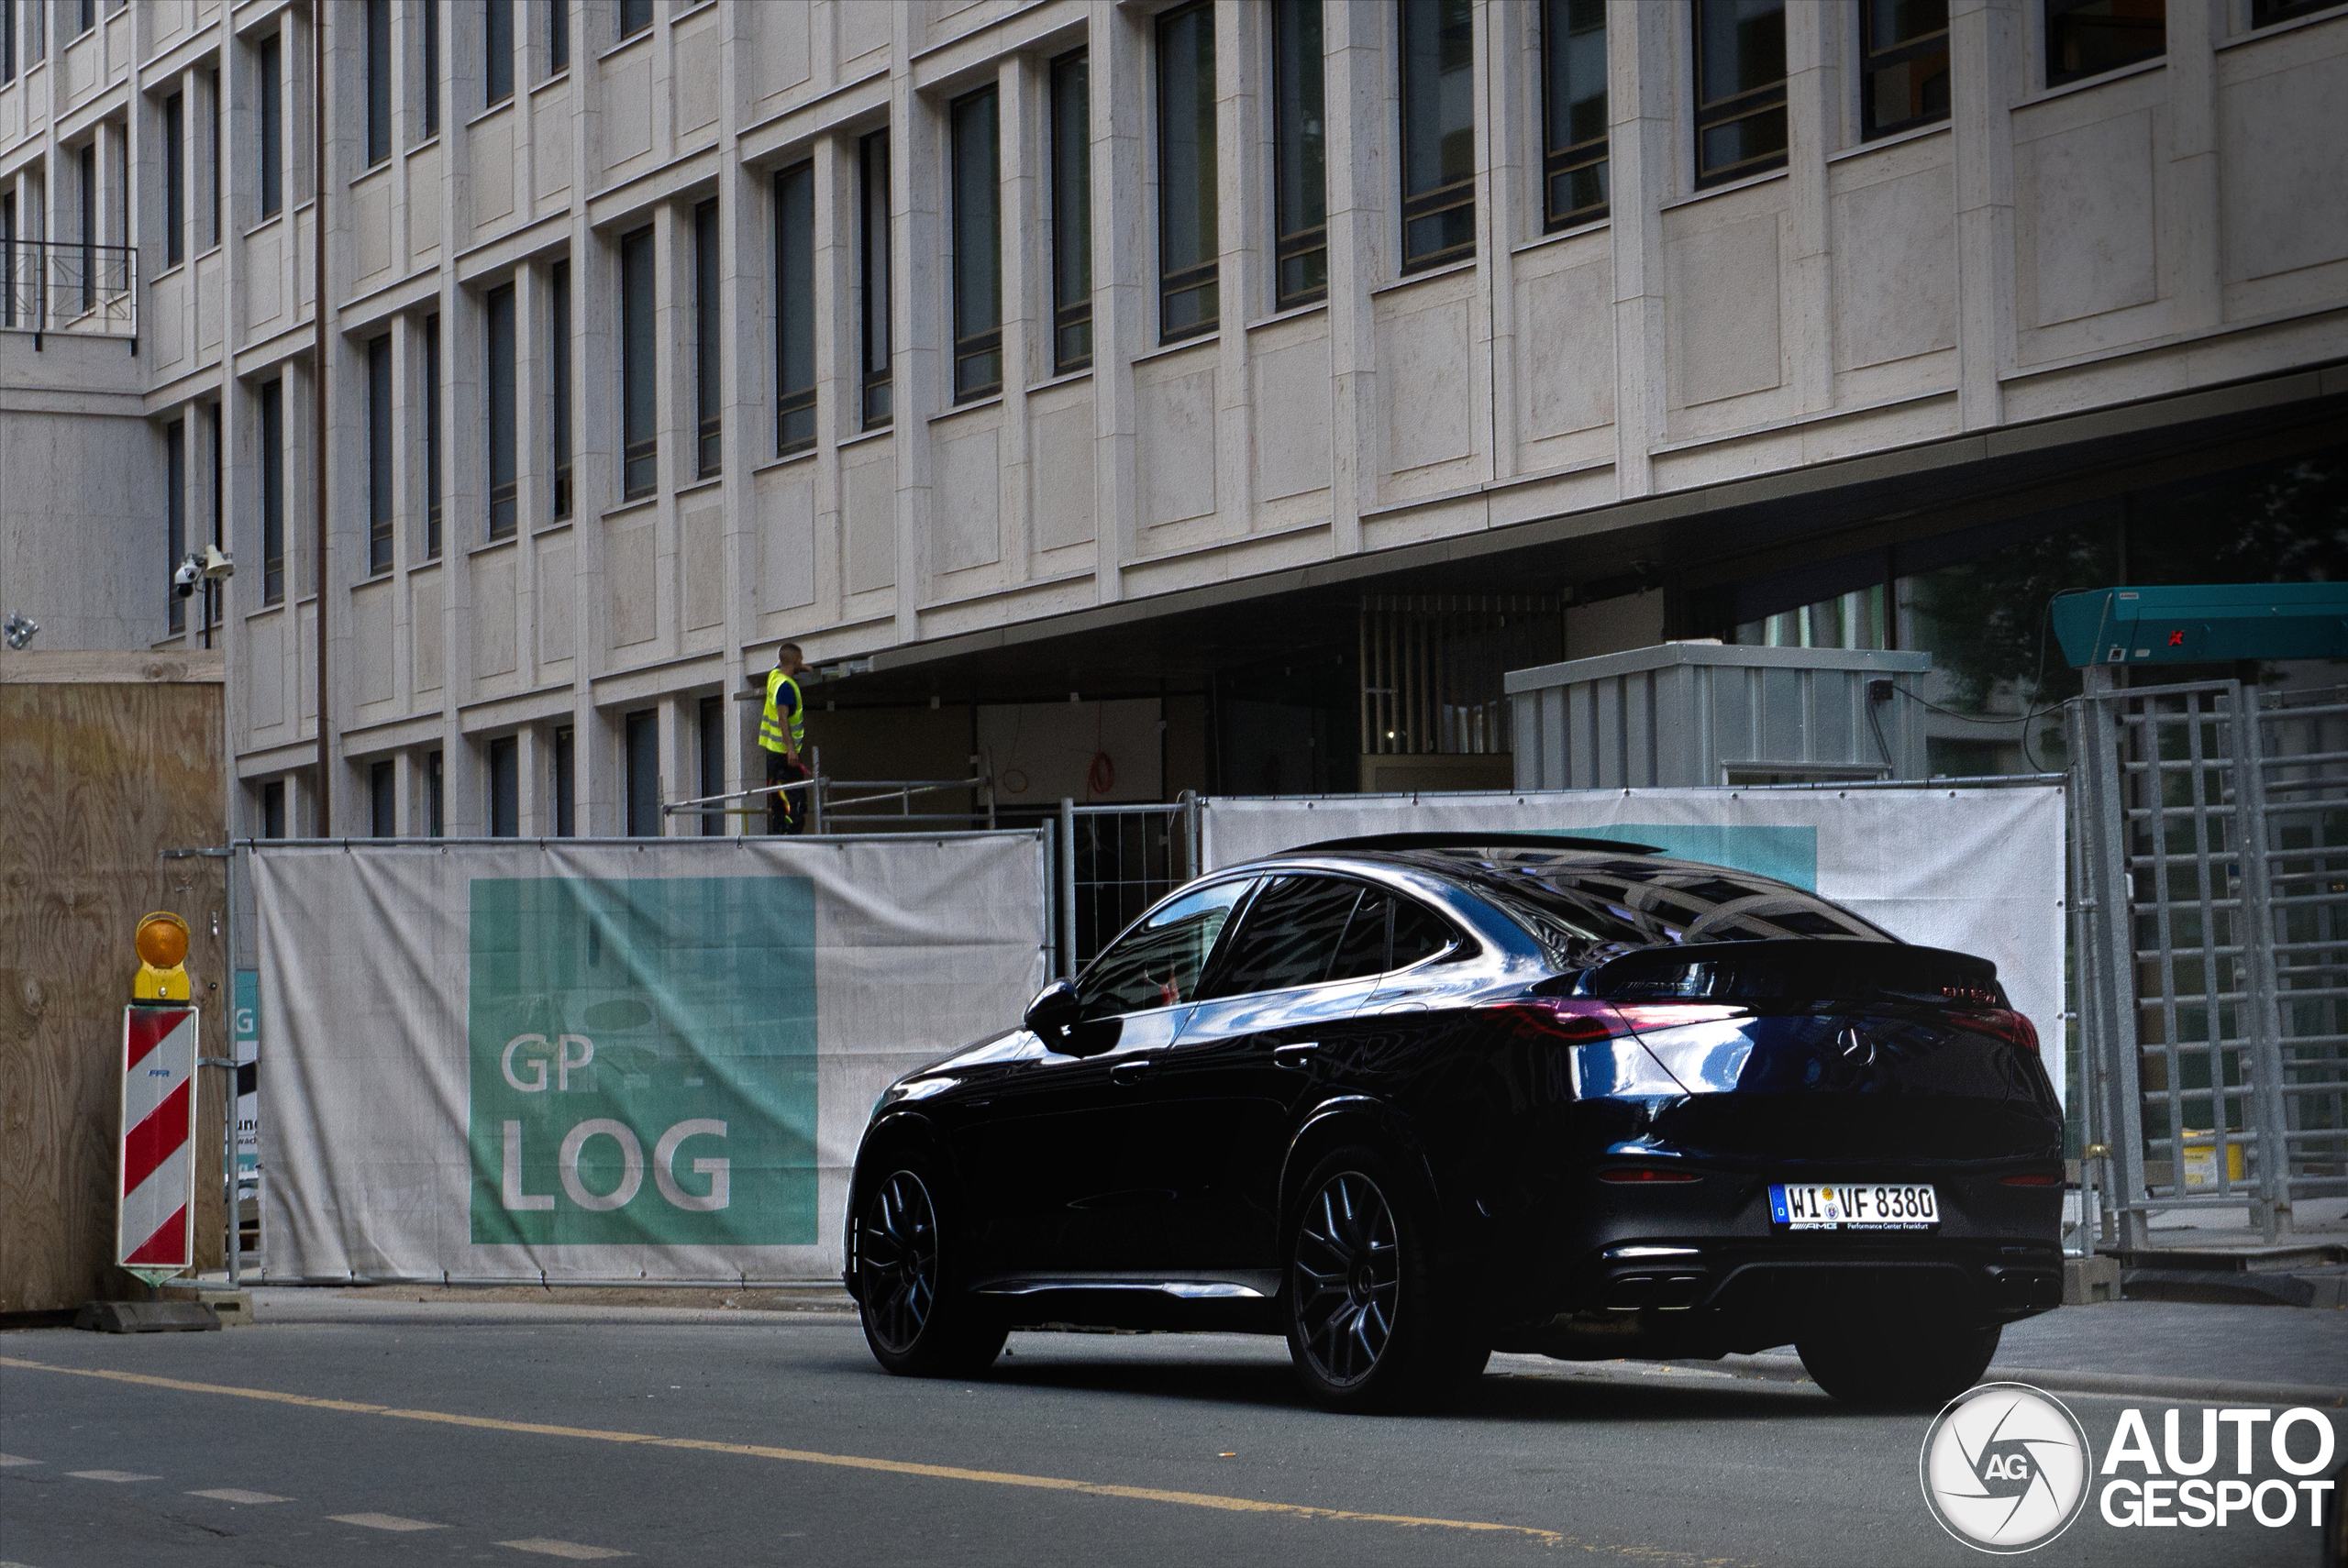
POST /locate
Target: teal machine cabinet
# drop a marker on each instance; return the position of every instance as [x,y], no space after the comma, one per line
[2211,623]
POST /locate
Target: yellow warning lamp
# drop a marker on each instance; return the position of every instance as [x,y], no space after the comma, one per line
[162,957]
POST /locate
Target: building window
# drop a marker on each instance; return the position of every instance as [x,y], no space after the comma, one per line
[1903,64]
[1438,133]
[174,180]
[1573,82]
[497,44]
[709,360]
[639,401]
[1740,88]
[382,456]
[559,371]
[432,437]
[272,493]
[435,798]
[382,799]
[7,40]
[565,777]
[212,159]
[88,160]
[212,588]
[642,742]
[794,325]
[557,35]
[506,786]
[2264,12]
[1300,155]
[273,809]
[379,81]
[175,519]
[1071,214]
[712,736]
[504,482]
[273,128]
[635,16]
[36,32]
[1189,299]
[2084,37]
[873,185]
[431,76]
[977,246]
[7,255]
[88,14]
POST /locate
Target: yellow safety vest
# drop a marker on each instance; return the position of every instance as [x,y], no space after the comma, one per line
[770,720]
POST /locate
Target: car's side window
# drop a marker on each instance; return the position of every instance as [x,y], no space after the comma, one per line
[1157,963]
[1290,936]
[1387,932]
[1419,934]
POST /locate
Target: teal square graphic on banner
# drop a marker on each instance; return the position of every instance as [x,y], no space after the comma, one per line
[643,1061]
[1789,853]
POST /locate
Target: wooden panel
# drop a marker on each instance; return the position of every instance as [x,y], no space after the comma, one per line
[99,778]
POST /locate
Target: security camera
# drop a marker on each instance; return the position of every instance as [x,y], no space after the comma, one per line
[217,566]
[190,573]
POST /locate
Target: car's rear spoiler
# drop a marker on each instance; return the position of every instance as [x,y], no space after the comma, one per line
[1562,843]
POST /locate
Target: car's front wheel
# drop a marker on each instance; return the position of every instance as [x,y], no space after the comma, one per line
[1369,1326]
[915,1322]
[1902,1366]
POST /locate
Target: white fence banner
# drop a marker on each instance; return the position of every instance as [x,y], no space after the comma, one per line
[610,1061]
[1979,870]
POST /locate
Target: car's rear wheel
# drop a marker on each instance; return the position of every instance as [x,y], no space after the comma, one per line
[916,1324]
[1901,1367]
[1369,1326]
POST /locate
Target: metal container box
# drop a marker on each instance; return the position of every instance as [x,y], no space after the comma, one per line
[1709,714]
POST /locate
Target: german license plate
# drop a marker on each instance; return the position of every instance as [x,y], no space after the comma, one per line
[1854,1206]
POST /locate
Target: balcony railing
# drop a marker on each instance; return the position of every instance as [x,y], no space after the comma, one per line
[66,286]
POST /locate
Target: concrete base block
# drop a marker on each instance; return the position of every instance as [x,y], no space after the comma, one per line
[148,1317]
[235,1306]
[2091,1280]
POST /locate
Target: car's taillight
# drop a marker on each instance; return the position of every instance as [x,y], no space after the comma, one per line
[1578,1021]
[1629,1175]
[2006,1025]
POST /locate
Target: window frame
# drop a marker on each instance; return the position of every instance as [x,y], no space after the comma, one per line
[432,467]
[642,10]
[382,799]
[501,394]
[270,66]
[974,186]
[1563,162]
[1294,154]
[709,746]
[875,291]
[1203,279]
[2268,13]
[2052,15]
[794,315]
[497,53]
[709,354]
[1706,114]
[1435,200]
[429,77]
[1873,61]
[501,759]
[558,432]
[174,118]
[272,424]
[643,723]
[638,305]
[378,67]
[1071,212]
[563,765]
[382,456]
[175,522]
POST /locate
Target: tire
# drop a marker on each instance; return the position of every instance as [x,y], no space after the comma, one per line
[916,1322]
[1371,1327]
[1910,1366]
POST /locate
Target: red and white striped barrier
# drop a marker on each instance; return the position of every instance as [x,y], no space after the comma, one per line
[155,1237]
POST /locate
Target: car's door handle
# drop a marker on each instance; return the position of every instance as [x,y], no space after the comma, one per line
[1129,1072]
[1299,1054]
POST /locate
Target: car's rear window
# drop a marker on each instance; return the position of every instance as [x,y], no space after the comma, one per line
[1585,909]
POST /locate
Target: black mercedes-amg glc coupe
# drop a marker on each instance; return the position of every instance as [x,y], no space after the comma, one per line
[1410,1099]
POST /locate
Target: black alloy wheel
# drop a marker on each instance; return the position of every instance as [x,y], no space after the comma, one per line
[913,1323]
[1347,1278]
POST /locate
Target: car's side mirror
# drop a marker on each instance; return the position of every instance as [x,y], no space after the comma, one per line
[1053,1012]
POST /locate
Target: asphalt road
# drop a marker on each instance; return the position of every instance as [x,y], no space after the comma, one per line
[439,1436]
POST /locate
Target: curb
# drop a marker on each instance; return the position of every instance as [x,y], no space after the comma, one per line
[2054,1380]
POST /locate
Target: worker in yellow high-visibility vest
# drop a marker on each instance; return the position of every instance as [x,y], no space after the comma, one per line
[782,730]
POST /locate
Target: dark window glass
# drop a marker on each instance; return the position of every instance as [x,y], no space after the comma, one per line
[709,385]
[1299,154]
[218,534]
[635,16]
[1903,64]
[497,45]
[2264,12]
[1189,296]
[88,17]
[566,779]
[7,40]
[1573,83]
[8,259]
[794,325]
[435,796]
[504,485]
[379,80]
[273,128]
[432,437]
[506,786]
[431,82]
[273,809]
[36,33]
[1157,963]
[642,770]
[711,732]
[640,408]
[1071,215]
[557,35]
[559,371]
[382,799]
[1740,88]
[1438,133]
[382,456]
[88,160]
[872,207]
[2085,36]
[174,180]
[272,493]
[978,247]
[1289,937]
[212,159]
[175,519]
[1418,933]
[1387,932]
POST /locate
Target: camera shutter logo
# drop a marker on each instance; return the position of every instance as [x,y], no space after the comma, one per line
[2005,1468]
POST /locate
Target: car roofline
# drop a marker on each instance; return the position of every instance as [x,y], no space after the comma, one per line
[1395,842]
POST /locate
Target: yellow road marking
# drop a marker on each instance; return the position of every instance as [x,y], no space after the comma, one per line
[889,1466]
